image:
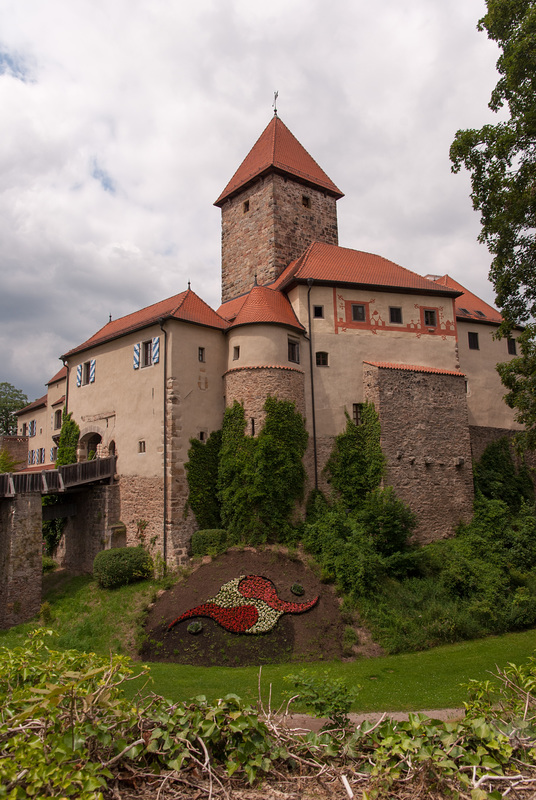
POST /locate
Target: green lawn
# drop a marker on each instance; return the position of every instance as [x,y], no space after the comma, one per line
[88,618]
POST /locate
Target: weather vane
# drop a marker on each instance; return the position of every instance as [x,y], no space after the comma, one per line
[274,104]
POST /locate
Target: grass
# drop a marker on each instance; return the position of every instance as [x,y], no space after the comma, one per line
[92,619]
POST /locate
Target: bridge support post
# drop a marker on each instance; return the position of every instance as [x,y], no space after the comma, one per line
[21,551]
[97,509]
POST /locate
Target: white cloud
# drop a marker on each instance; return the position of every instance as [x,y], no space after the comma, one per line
[123,121]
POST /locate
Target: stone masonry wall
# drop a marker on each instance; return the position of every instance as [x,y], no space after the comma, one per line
[90,530]
[179,528]
[425,438]
[17,447]
[252,385]
[481,437]
[275,229]
[21,549]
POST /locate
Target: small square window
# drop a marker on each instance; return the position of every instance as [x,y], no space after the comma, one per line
[141,446]
[358,313]
[430,318]
[294,351]
[245,206]
[395,315]
[201,354]
[147,353]
[318,312]
[306,201]
[236,353]
[321,359]
[357,413]
[473,340]
[512,351]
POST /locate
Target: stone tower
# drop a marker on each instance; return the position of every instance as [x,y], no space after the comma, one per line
[278,201]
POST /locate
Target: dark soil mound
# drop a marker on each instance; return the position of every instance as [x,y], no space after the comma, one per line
[312,636]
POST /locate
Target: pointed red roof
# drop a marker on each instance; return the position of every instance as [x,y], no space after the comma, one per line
[469,306]
[329,263]
[186,306]
[261,304]
[278,150]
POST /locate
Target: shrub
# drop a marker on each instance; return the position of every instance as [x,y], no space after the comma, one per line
[209,542]
[49,565]
[122,565]
[387,520]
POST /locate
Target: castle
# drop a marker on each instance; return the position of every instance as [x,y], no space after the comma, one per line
[302,319]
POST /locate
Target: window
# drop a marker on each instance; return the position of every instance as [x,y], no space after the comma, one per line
[85,373]
[252,421]
[321,359]
[430,317]
[202,436]
[473,340]
[201,354]
[57,419]
[32,427]
[236,353]
[245,206]
[294,351]
[31,456]
[24,429]
[358,313]
[512,347]
[141,446]
[395,315]
[318,312]
[357,413]
[147,353]
[306,201]
[53,454]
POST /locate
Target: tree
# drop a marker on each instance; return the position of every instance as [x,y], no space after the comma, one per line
[11,400]
[502,162]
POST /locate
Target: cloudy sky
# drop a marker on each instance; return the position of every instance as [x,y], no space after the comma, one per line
[122,120]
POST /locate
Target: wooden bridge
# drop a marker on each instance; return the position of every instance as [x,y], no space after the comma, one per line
[56,481]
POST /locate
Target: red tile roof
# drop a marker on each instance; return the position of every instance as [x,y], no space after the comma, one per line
[278,150]
[262,304]
[40,403]
[329,263]
[58,376]
[186,306]
[264,366]
[469,306]
[415,368]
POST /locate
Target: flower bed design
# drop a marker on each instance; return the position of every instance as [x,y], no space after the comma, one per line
[258,614]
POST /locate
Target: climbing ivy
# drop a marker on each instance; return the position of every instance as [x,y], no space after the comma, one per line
[202,474]
[497,477]
[356,465]
[67,446]
[236,479]
[246,485]
[68,443]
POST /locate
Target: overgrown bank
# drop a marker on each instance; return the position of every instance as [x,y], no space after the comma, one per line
[479,582]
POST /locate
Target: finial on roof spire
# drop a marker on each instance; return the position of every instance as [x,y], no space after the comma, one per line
[255,281]
[110,318]
[188,285]
[274,104]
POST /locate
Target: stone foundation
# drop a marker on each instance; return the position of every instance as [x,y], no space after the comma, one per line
[21,550]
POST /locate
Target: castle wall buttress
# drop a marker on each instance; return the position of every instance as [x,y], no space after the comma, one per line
[267,226]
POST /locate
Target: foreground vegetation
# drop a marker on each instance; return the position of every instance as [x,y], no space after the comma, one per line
[68,730]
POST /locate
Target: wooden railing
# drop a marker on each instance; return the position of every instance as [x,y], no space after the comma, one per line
[53,481]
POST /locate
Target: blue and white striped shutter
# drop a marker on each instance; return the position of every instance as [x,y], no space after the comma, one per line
[79,375]
[52,455]
[156,349]
[30,456]
[34,456]
[43,456]
[92,371]
[136,363]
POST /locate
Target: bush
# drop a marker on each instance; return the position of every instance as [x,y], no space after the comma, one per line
[122,565]
[209,542]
